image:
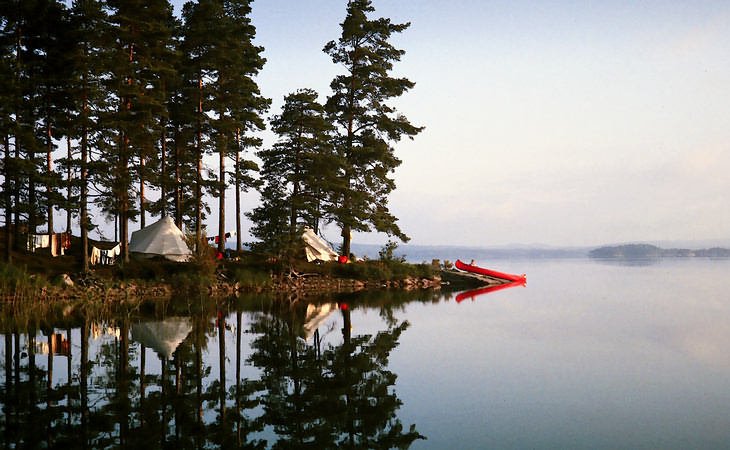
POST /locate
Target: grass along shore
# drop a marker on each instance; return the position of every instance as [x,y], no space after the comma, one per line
[38,276]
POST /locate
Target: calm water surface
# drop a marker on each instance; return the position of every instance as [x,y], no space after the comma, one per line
[588,355]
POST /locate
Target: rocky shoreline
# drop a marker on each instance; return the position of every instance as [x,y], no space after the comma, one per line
[89,286]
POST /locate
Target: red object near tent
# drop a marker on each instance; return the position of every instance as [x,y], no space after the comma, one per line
[492,273]
[476,292]
[342,259]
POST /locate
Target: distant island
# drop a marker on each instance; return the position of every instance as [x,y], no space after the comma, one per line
[631,251]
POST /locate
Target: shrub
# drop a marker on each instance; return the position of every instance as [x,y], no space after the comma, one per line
[17,283]
[248,278]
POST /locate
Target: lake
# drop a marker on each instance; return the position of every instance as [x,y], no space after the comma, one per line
[590,354]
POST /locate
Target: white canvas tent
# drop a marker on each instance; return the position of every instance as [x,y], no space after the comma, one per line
[162,238]
[316,248]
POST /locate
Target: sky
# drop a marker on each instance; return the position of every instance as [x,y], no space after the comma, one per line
[566,123]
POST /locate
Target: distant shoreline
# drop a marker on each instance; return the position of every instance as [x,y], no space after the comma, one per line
[636,251]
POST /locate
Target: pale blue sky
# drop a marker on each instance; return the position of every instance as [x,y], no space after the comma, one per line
[556,122]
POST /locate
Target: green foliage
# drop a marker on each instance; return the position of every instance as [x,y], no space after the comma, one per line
[366,125]
[17,283]
[370,270]
[387,252]
[249,278]
[299,174]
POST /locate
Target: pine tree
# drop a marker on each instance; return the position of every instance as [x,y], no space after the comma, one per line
[89,28]
[199,22]
[366,126]
[218,38]
[142,33]
[7,120]
[299,172]
[52,39]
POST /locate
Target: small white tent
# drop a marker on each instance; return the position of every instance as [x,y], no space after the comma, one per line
[162,238]
[316,248]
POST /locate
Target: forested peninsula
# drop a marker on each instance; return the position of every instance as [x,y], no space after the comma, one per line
[119,111]
[636,251]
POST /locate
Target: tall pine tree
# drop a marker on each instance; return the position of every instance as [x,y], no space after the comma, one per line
[366,126]
[219,41]
[142,32]
[299,174]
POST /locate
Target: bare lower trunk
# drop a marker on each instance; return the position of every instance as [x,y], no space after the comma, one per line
[198,185]
[141,195]
[16,202]
[124,205]
[83,213]
[222,201]
[69,177]
[163,172]
[8,205]
[238,191]
[178,188]
[49,168]
[346,238]
[198,204]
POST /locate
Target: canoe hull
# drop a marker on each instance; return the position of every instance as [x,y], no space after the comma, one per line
[492,273]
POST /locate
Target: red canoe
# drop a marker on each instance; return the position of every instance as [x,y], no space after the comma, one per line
[492,273]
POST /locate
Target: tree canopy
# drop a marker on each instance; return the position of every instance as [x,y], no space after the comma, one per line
[140,98]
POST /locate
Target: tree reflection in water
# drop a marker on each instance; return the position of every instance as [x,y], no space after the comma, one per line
[106,388]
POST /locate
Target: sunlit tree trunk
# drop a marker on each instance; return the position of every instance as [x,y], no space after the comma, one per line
[237,173]
[49,188]
[84,213]
[143,162]
[69,176]
[8,205]
[199,172]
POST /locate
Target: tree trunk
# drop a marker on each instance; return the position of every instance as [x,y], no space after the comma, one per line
[69,177]
[178,187]
[124,203]
[163,172]
[8,205]
[49,146]
[83,213]
[239,247]
[199,181]
[222,195]
[222,150]
[141,193]
[16,203]
[32,197]
[346,238]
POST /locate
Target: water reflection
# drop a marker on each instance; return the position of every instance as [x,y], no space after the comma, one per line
[472,294]
[281,375]
[628,261]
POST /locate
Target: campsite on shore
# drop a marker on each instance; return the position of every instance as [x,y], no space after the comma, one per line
[163,264]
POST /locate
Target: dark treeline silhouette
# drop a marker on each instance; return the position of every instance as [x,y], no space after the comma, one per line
[139,98]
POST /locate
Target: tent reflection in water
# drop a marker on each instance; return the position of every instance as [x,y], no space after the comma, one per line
[316,248]
[162,238]
[163,337]
[315,317]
